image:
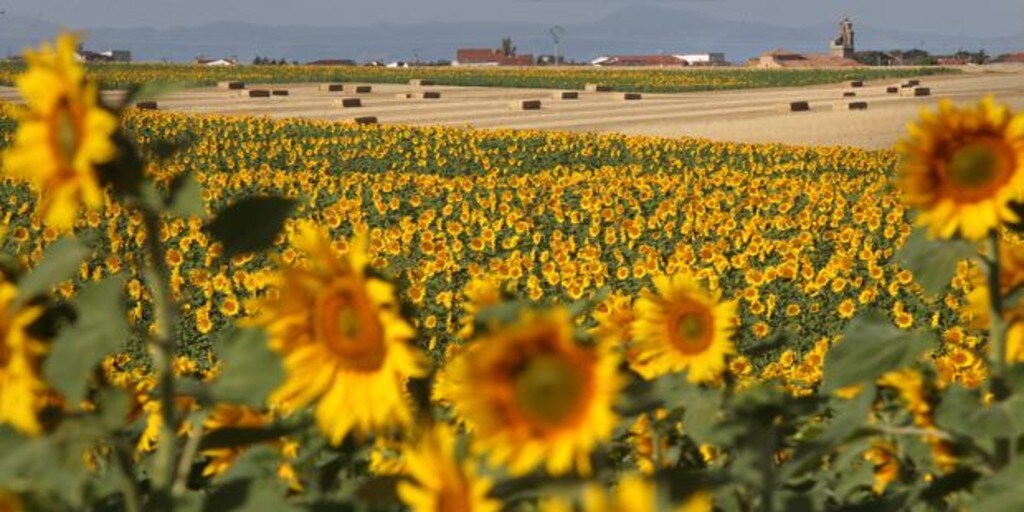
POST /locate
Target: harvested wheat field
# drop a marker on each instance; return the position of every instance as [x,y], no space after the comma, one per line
[740,116]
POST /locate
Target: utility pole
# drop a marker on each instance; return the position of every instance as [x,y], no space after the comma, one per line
[556,33]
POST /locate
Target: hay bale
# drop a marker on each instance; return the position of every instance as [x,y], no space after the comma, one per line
[254,93]
[361,89]
[525,105]
[430,95]
[857,105]
[914,92]
[911,83]
[231,85]
[420,82]
[566,95]
[279,92]
[331,87]
[794,106]
[146,105]
[849,94]
[857,83]
[597,88]
[630,96]
[365,120]
[348,102]
[892,90]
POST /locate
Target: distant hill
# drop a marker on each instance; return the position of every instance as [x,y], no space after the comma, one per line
[636,29]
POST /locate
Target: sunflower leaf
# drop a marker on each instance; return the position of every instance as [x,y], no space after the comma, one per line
[251,370]
[250,225]
[933,262]
[185,196]
[61,260]
[871,346]
[100,328]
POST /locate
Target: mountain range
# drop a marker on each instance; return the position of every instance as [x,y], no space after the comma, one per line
[640,29]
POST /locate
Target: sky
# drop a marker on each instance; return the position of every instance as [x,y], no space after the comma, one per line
[977,18]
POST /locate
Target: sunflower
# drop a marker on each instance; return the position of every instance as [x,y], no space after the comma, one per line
[21,389]
[632,494]
[344,344]
[682,327]
[532,395]
[441,481]
[1011,276]
[63,135]
[962,168]
[882,455]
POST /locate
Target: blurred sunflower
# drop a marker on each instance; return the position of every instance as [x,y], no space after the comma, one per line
[21,389]
[63,134]
[532,396]
[632,494]
[682,327]
[962,168]
[440,480]
[224,416]
[344,343]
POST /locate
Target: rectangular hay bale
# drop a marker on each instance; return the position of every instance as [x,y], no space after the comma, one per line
[279,92]
[365,120]
[892,90]
[911,83]
[332,87]
[915,91]
[630,96]
[857,83]
[420,82]
[566,95]
[232,85]
[361,89]
[849,94]
[525,105]
[857,105]
[794,106]
[348,102]
[146,105]
[597,88]
[255,93]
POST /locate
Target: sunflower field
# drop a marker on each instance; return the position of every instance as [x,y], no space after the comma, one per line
[123,76]
[235,313]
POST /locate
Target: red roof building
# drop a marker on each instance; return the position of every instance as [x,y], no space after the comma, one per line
[784,59]
[489,57]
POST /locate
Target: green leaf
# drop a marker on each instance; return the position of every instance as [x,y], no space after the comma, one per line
[251,224]
[250,369]
[61,261]
[933,262]
[185,197]
[1000,492]
[961,411]
[100,328]
[702,407]
[871,346]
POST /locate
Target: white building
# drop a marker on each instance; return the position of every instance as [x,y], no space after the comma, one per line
[704,59]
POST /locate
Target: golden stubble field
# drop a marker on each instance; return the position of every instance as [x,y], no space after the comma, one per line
[735,116]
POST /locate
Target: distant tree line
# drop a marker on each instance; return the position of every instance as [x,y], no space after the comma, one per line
[267,61]
[918,57]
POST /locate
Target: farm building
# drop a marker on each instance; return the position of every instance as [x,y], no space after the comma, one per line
[639,60]
[489,57]
[216,62]
[785,59]
[705,59]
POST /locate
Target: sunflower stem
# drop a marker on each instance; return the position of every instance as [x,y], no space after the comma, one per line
[997,341]
[188,454]
[162,347]
[132,494]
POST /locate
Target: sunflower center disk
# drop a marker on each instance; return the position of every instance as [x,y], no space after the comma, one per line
[693,332]
[65,134]
[979,168]
[548,390]
[352,331]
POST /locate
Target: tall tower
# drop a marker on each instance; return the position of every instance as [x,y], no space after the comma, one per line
[842,45]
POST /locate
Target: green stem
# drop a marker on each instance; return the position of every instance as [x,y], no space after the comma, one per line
[997,341]
[188,454]
[162,349]
[132,495]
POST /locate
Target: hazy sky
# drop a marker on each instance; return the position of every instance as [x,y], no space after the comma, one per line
[953,17]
